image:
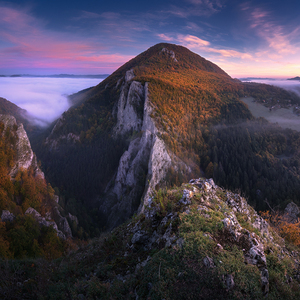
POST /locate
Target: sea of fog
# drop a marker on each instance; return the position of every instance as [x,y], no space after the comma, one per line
[284,117]
[44,98]
[290,85]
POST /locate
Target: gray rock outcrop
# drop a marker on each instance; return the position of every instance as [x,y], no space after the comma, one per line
[7,216]
[170,53]
[25,157]
[291,213]
[62,223]
[43,222]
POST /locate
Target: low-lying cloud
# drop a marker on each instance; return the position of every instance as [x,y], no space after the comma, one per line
[289,85]
[43,98]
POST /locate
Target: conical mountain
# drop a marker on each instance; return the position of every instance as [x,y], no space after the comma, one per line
[144,126]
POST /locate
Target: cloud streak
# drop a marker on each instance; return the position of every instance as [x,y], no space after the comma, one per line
[200,45]
[197,8]
[270,48]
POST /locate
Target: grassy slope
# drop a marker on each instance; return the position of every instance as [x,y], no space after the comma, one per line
[113,267]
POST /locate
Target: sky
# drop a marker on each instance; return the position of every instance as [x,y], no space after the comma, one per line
[259,38]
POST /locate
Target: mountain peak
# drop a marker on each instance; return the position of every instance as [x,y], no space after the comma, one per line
[171,57]
[150,104]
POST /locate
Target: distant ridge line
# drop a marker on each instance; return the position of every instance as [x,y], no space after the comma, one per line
[102,76]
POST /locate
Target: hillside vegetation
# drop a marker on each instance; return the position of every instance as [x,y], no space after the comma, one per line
[20,234]
[197,241]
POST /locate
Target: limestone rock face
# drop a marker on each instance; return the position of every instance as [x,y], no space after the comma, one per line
[53,143]
[7,216]
[25,157]
[129,109]
[291,212]
[73,218]
[62,223]
[145,163]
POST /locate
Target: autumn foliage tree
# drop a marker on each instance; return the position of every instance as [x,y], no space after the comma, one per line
[23,236]
[289,231]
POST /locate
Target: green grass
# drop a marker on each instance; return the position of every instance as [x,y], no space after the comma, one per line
[106,268]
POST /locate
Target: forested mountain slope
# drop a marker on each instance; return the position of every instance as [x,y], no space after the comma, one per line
[151,123]
[28,205]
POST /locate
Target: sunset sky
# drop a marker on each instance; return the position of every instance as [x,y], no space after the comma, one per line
[246,38]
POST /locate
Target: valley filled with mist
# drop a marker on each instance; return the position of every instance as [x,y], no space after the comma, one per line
[44,98]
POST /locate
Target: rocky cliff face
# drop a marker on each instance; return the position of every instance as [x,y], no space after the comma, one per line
[145,163]
[53,143]
[25,157]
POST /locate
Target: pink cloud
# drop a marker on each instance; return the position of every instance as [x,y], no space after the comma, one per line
[258,17]
[194,42]
[278,39]
[231,53]
[166,38]
[24,42]
[240,64]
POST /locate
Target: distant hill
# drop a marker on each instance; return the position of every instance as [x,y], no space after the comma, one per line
[256,78]
[295,78]
[100,76]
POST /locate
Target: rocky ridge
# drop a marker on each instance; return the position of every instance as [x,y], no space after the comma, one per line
[198,241]
[253,244]
[239,226]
